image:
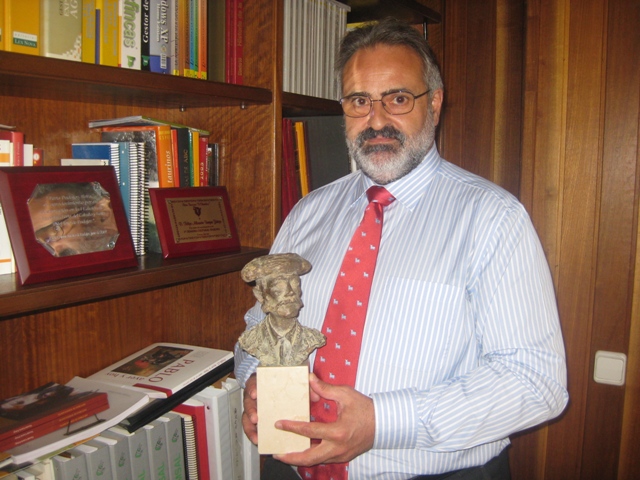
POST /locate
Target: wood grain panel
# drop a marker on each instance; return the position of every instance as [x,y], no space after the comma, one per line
[612,302]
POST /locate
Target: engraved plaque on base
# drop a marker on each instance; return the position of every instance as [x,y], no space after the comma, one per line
[283,395]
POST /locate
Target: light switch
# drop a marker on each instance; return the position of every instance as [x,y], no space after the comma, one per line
[610,367]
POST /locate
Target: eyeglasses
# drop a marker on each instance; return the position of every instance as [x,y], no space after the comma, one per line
[395,103]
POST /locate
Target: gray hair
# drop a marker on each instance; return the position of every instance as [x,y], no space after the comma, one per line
[392,32]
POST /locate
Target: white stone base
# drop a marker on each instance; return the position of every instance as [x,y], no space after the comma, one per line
[283,394]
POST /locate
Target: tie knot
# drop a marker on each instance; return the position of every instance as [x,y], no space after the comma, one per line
[379,195]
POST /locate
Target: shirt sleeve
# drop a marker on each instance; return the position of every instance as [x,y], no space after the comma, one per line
[520,377]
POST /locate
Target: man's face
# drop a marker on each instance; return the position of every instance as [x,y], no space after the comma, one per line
[387,147]
[282,296]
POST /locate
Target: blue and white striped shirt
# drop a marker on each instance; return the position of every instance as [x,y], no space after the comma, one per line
[462,344]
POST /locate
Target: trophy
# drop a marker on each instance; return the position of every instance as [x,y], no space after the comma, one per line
[282,345]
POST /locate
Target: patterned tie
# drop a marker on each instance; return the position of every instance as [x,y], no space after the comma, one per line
[337,361]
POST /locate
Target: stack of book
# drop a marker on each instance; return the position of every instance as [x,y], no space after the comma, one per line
[192,38]
[189,425]
[312,32]
[149,153]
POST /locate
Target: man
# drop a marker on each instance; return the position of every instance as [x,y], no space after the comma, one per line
[462,344]
[279,340]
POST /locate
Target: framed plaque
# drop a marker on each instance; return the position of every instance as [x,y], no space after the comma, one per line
[65,221]
[194,221]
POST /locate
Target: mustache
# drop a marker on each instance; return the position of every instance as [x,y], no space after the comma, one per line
[385,132]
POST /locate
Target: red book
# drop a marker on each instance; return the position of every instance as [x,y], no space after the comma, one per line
[197,411]
[17,139]
[203,144]
[238,42]
[82,411]
[49,403]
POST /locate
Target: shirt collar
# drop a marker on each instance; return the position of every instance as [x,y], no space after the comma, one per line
[408,189]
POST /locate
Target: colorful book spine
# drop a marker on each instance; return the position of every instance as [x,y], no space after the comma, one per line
[89,30]
[182,61]
[61,30]
[130,25]
[110,33]
[145,34]
[202,39]
[22,26]
[160,36]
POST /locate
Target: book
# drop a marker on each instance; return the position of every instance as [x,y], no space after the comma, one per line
[2,25]
[61,30]
[85,162]
[16,147]
[109,151]
[98,458]
[137,450]
[7,261]
[203,45]
[166,367]
[110,33]
[196,410]
[160,32]
[130,33]
[183,147]
[139,120]
[236,432]
[66,422]
[182,62]
[189,439]
[27,154]
[118,453]
[301,156]
[90,26]
[50,403]
[70,464]
[216,40]
[145,34]
[175,445]
[22,26]
[122,403]
[216,402]
[157,447]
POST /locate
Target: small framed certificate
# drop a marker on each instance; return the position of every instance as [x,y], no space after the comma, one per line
[194,221]
[65,221]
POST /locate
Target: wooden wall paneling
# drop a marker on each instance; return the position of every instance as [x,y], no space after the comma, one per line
[509,72]
[454,75]
[616,242]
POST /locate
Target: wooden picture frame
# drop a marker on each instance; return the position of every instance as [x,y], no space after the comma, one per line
[194,220]
[65,221]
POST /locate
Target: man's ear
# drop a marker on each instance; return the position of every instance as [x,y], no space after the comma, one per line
[436,105]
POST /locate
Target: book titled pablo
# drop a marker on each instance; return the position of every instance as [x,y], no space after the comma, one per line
[164,367]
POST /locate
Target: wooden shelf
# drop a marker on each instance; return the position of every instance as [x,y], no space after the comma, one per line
[39,77]
[295,105]
[152,272]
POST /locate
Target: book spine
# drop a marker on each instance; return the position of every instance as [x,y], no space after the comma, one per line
[89,31]
[195,158]
[202,40]
[203,146]
[61,30]
[7,263]
[175,445]
[229,50]
[183,37]
[130,24]
[197,412]
[27,434]
[157,448]
[238,42]
[166,176]
[2,30]
[160,35]
[145,35]
[22,26]
[70,465]
[98,460]
[109,34]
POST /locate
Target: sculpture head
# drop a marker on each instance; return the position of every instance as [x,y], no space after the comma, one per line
[277,282]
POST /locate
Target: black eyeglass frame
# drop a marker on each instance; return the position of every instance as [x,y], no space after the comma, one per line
[384,105]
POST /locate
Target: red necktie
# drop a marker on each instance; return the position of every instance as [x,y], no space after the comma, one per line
[337,361]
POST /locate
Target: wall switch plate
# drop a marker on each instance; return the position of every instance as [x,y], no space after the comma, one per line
[610,367]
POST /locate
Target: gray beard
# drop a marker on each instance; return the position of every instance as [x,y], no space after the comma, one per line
[387,163]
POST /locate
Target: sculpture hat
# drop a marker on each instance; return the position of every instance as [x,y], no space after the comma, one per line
[275,264]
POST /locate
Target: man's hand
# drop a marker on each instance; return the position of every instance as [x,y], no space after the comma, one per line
[250,414]
[349,436]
